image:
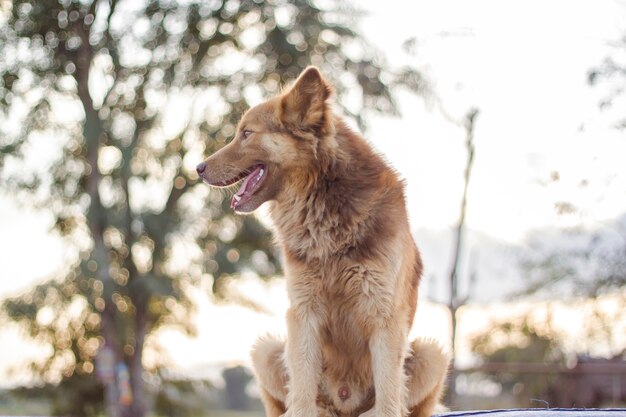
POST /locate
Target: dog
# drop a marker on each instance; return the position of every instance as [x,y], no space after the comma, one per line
[351,264]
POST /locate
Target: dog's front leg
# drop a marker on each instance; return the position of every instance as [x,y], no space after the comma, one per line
[388,347]
[304,361]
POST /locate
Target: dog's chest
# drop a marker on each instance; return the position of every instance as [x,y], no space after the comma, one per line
[317,240]
[345,293]
[319,226]
[344,337]
[348,298]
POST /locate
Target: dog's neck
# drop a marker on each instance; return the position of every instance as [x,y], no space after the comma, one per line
[334,210]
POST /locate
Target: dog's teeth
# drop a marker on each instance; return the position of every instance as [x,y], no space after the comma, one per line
[261,173]
[237,198]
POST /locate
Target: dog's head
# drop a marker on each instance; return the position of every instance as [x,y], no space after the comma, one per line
[276,147]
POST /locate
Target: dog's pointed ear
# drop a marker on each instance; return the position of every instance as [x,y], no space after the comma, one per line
[305,105]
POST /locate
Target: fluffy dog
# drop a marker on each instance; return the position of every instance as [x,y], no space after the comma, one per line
[351,263]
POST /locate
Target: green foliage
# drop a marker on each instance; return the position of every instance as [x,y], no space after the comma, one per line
[57,314]
[78,395]
[520,341]
[22,401]
[184,398]
[105,109]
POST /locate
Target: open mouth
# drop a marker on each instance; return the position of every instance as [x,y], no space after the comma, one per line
[253,177]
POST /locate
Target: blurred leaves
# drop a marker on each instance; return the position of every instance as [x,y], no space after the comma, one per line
[521,341]
[184,397]
[577,263]
[518,341]
[610,78]
[78,395]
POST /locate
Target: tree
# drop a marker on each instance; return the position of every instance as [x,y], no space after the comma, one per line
[580,262]
[610,75]
[456,301]
[185,397]
[583,264]
[587,269]
[539,359]
[521,340]
[133,94]
[586,262]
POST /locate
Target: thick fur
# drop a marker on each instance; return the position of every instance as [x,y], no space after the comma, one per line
[351,263]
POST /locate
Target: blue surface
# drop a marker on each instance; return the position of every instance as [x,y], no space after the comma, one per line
[542,412]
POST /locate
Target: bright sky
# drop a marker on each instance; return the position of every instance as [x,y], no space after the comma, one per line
[523,64]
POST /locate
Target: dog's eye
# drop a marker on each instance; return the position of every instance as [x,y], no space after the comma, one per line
[246,134]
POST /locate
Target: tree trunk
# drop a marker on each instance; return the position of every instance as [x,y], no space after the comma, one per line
[92,130]
[455,301]
[138,407]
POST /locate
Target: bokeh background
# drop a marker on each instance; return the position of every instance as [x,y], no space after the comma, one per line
[129,288]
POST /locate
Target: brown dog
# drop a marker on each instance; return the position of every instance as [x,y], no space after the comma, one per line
[351,264]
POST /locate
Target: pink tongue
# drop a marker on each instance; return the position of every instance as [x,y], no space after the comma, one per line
[249,182]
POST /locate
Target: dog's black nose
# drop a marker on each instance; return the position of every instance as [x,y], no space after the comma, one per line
[201,168]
